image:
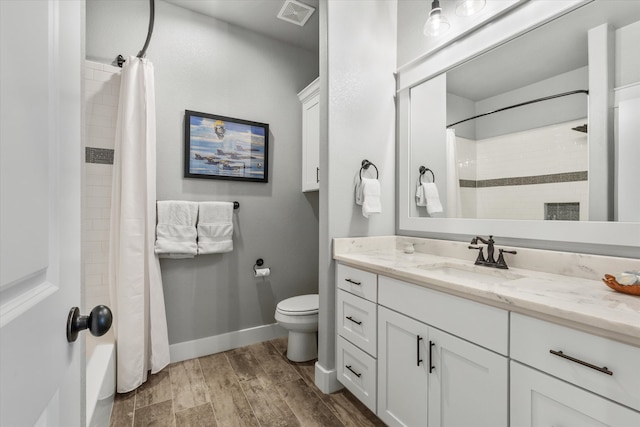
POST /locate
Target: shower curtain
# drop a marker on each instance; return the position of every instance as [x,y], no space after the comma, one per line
[453,177]
[135,282]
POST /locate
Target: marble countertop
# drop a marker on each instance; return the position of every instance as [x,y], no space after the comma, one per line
[582,302]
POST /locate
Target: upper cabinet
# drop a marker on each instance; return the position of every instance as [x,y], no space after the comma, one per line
[310,99]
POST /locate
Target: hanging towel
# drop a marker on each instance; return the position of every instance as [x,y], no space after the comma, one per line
[215,227]
[432,197]
[421,200]
[176,229]
[368,195]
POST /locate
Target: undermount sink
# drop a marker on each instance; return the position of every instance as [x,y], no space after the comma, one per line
[475,273]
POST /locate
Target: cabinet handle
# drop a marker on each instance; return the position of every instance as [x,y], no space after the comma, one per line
[418,360]
[604,369]
[354,321]
[317,175]
[354,372]
[353,282]
[431,367]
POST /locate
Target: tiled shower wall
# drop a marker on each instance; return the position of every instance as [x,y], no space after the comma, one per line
[516,174]
[102,87]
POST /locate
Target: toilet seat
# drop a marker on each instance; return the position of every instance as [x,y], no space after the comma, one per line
[302,305]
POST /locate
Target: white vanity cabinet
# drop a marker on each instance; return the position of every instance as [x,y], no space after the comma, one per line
[310,99]
[428,377]
[553,367]
[356,325]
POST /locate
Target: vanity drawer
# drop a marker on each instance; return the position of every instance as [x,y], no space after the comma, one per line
[479,323]
[358,282]
[357,321]
[532,343]
[357,372]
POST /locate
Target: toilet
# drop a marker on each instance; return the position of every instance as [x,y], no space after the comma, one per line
[299,315]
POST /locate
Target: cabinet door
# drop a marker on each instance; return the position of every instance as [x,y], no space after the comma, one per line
[468,385]
[402,369]
[311,144]
[540,400]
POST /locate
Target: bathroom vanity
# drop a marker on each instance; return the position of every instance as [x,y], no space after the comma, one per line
[422,335]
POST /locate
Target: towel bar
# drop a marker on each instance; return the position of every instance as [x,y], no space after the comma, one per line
[423,170]
[365,165]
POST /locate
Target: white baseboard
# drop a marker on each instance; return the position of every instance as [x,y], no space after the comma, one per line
[327,380]
[218,343]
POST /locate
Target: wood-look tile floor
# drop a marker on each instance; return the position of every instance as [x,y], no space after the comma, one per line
[249,386]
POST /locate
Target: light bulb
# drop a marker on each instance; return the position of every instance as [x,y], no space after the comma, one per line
[436,24]
[469,7]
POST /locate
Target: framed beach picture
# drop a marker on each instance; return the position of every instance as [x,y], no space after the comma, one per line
[218,147]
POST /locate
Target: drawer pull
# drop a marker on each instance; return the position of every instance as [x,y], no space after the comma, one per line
[418,360]
[353,282]
[354,321]
[604,369]
[354,372]
[431,367]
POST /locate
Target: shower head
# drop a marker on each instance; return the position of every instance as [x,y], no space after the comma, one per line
[582,128]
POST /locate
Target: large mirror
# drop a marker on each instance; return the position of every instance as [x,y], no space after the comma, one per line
[552,141]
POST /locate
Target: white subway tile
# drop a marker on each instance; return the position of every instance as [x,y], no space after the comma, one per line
[93,65]
[102,76]
[110,99]
[105,110]
[98,86]
[94,120]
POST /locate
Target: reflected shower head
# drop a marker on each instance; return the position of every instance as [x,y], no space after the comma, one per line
[582,128]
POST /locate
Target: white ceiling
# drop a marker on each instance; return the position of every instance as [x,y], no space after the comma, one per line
[260,16]
[552,49]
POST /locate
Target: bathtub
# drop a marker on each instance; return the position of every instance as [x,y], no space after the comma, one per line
[101,384]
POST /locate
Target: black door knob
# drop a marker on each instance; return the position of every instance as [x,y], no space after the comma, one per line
[98,322]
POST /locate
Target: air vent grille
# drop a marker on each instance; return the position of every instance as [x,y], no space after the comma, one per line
[295,12]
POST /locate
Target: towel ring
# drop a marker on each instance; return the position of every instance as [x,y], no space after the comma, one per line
[365,165]
[422,172]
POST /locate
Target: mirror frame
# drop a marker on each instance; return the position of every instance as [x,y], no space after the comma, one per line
[521,20]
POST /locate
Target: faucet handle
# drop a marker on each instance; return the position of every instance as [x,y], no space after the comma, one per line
[480,260]
[501,263]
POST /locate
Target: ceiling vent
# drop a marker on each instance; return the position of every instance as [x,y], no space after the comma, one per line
[295,12]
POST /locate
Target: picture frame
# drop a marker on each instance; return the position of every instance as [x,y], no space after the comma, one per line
[219,147]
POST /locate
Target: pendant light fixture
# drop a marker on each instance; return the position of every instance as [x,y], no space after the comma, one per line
[437,23]
[469,7]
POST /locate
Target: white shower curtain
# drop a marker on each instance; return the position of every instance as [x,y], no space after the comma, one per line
[135,281]
[453,177]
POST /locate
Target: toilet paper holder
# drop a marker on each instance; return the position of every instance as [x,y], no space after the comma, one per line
[260,272]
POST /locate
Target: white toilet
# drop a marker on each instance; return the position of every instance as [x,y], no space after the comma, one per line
[299,315]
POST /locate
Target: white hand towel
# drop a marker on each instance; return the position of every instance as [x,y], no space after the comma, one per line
[215,227]
[421,200]
[359,192]
[370,197]
[176,229]
[432,197]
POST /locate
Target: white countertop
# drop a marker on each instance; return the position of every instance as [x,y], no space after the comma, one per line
[582,302]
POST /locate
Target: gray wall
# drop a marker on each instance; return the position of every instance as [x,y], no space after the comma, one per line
[206,65]
[534,115]
[358,41]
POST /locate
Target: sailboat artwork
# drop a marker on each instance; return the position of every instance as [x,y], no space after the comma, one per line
[218,147]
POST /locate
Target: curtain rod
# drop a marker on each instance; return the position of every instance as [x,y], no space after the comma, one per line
[522,104]
[152,15]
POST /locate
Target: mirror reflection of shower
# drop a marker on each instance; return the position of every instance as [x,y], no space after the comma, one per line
[527,160]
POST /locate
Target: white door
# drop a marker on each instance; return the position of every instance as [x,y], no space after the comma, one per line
[540,400]
[40,155]
[403,369]
[468,385]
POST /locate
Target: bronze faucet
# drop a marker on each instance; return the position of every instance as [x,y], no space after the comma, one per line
[490,260]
